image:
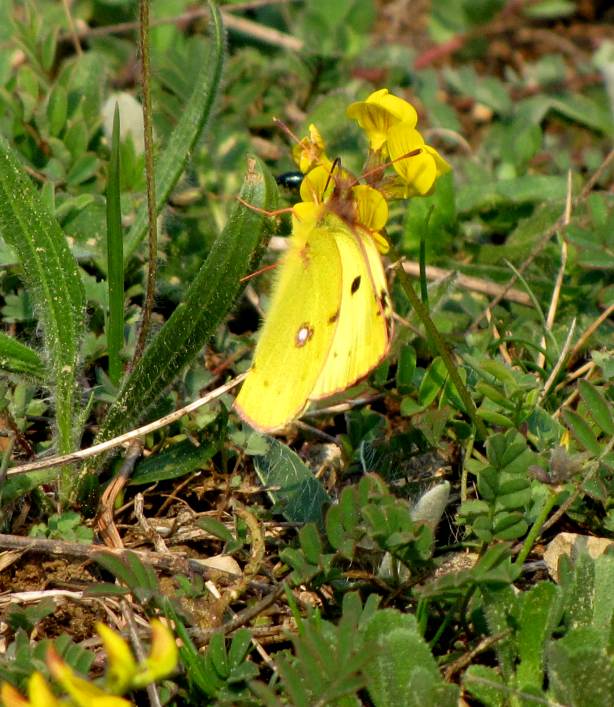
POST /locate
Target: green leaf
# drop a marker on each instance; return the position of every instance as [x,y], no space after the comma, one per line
[54,282]
[57,109]
[217,653]
[239,648]
[298,494]
[509,526]
[216,528]
[603,598]
[550,9]
[16,357]
[193,119]
[582,432]
[585,111]
[433,382]
[83,168]
[580,671]
[402,667]
[598,406]
[540,612]
[207,301]
[406,368]
[311,543]
[486,684]
[179,460]
[115,258]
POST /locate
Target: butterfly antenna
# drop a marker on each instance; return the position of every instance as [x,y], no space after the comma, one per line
[381,167]
[336,163]
[264,269]
[280,124]
[264,212]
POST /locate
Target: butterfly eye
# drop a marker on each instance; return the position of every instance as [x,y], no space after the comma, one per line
[355,284]
[304,333]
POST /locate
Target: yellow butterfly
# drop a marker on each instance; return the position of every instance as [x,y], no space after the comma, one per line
[329,319]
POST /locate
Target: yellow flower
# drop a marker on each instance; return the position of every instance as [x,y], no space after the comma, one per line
[380,112]
[121,666]
[372,213]
[82,692]
[40,693]
[418,171]
[318,185]
[310,151]
[162,658]
[367,206]
[12,698]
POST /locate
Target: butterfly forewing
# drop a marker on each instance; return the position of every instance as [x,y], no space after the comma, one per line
[297,334]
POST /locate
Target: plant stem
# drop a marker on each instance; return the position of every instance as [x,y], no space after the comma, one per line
[536,528]
[424,290]
[150,180]
[441,347]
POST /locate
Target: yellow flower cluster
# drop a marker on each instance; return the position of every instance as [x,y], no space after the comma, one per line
[123,674]
[390,125]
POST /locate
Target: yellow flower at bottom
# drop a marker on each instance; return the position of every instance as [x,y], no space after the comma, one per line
[162,658]
[12,697]
[418,171]
[121,666]
[82,692]
[40,693]
[380,112]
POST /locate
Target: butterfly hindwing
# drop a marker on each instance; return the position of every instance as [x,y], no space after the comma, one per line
[362,336]
[297,334]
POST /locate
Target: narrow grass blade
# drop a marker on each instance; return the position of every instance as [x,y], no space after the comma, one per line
[51,274]
[16,357]
[208,299]
[197,112]
[115,259]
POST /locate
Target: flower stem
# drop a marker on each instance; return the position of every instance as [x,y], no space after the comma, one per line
[432,331]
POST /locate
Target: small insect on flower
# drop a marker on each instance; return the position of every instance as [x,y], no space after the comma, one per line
[290,180]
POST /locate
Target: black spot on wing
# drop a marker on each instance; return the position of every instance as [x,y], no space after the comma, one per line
[355,284]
